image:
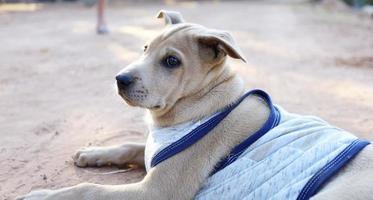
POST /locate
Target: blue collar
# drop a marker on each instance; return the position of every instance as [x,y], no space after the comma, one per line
[203,129]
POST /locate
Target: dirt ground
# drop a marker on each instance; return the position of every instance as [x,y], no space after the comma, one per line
[57,77]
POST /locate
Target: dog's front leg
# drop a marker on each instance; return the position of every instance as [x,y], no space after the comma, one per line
[179,177]
[88,191]
[130,153]
[156,185]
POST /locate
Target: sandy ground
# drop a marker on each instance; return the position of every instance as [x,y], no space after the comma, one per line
[57,78]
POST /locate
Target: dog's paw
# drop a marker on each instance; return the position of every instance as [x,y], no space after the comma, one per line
[36,195]
[91,156]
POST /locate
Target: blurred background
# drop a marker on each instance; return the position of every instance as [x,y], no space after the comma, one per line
[58,60]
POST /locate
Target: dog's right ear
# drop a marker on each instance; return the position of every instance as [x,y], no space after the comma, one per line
[170,17]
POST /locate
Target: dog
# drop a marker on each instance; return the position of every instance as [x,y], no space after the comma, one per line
[210,139]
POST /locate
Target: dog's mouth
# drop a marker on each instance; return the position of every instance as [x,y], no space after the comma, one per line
[135,103]
[126,98]
[128,101]
[157,107]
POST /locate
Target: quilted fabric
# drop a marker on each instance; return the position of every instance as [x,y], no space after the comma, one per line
[276,166]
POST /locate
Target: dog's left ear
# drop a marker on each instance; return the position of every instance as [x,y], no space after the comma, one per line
[222,44]
[171,17]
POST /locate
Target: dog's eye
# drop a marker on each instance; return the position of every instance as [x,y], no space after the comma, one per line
[145,47]
[171,62]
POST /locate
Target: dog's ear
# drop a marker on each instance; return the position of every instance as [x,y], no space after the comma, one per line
[221,43]
[170,17]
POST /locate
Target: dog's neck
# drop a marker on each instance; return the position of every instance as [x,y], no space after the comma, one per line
[222,91]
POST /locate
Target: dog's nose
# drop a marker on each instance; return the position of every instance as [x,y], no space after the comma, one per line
[125,79]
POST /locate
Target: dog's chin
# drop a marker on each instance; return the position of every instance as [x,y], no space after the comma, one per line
[134,103]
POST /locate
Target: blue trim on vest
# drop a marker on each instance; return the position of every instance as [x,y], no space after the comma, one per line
[331,168]
[203,129]
[272,121]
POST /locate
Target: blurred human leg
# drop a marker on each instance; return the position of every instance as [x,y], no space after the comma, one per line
[101,23]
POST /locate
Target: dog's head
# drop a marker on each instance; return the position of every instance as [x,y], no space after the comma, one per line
[180,61]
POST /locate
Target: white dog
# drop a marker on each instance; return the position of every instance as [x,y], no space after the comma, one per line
[209,139]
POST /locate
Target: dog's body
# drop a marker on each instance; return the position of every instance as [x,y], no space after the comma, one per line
[187,63]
